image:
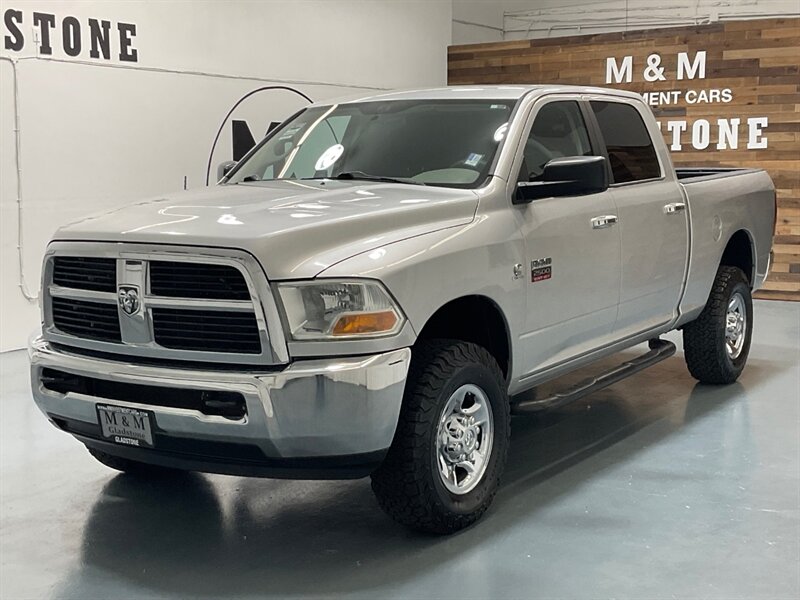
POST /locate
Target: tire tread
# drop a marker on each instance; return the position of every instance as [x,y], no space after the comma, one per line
[403,483]
[704,354]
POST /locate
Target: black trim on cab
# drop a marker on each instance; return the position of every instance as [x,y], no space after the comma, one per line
[596,136]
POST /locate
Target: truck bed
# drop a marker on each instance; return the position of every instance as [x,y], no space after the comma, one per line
[688,175]
[721,202]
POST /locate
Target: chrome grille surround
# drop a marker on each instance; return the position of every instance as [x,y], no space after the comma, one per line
[138,338]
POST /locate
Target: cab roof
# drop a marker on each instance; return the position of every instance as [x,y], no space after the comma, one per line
[478,92]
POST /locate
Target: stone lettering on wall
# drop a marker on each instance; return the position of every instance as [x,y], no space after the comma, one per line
[92,38]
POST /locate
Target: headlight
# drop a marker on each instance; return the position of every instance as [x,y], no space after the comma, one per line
[319,310]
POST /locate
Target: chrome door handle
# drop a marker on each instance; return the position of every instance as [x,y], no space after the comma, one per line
[674,207]
[604,221]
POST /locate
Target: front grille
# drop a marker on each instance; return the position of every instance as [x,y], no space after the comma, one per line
[195,280]
[85,273]
[183,308]
[209,402]
[92,320]
[206,330]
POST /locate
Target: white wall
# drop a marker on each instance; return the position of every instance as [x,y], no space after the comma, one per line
[477,21]
[97,133]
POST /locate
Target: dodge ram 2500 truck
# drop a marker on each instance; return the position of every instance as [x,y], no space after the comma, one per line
[368,291]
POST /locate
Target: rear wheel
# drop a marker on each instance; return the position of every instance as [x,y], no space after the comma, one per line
[132,467]
[443,468]
[717,343]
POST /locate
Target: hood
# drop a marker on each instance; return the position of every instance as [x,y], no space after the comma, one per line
[296,229]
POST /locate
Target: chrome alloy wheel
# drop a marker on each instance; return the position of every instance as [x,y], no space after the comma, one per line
[735,326]
[464,439]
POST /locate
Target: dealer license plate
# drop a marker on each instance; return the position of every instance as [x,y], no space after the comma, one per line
[126,426]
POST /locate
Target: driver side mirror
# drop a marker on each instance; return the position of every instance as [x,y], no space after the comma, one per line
[224,168]
[568,176]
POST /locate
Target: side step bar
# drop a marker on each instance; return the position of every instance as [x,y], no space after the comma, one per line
[659,350]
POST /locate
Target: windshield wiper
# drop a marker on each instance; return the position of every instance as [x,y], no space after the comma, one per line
[360,175]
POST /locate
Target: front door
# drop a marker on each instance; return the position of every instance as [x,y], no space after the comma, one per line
[572,246]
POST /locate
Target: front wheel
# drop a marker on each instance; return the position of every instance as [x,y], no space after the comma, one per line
[443,468]
[717,343]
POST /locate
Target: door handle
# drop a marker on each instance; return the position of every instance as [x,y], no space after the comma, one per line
[674,207]
[604,221]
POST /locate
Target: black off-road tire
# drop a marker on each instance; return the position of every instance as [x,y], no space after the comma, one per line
[704,338]
[131,467]
[408,485]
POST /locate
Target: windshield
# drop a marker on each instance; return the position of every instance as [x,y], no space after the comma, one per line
[433,142]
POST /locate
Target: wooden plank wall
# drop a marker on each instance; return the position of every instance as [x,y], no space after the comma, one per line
[757,60]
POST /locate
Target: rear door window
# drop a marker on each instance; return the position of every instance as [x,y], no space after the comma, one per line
[630,150]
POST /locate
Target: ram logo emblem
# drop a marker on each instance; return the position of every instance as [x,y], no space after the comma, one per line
[128,297]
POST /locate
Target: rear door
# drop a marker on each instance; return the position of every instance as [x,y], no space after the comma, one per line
[653,217]
[573,254]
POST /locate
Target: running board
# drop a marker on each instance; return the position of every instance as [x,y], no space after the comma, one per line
[659,350]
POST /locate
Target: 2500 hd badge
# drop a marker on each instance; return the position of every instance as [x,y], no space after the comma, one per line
[541,269]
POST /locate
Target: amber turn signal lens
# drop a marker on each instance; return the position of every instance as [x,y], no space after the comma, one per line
[376,322]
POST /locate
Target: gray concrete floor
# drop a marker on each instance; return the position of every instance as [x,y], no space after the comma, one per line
[653,488]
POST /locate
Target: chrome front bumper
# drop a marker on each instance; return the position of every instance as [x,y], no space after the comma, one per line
[311,410]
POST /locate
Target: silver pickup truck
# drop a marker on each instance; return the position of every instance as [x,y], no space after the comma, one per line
[371,288]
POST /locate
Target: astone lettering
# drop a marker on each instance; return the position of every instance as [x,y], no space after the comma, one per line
[94,38]
[724,133]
